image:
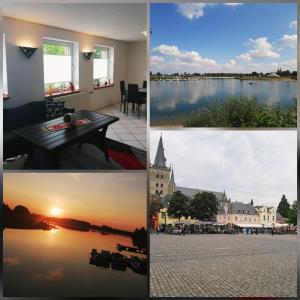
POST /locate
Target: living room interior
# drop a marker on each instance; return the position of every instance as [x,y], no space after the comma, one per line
[73,73]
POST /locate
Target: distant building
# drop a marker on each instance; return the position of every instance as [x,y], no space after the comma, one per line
[162,187]
[267,215]
[280,219]
[238,213]
[273,75]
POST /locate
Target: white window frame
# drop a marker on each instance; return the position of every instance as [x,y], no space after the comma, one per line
[110,64]
[74,68]
[4,74]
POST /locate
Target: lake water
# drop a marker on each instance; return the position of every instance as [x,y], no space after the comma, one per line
[56,263]
[172,101]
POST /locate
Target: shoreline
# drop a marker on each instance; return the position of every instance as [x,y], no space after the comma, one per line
[250,78]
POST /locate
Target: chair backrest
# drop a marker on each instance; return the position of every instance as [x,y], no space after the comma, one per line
[122,87]
[133,92]
[144,84]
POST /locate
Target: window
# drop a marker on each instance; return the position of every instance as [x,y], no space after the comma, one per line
[157,176]
[236,218]
[264,218]
[5,89]
[59,66]
[161,185]
[245,218]
[156,192]
[156,184]
[161,192]
[268,218]
[161,176]
[273,218]
[103,66]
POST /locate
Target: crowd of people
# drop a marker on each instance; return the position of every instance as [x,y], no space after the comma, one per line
[182,229]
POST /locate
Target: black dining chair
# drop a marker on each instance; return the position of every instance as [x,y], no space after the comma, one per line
[144,84]
[135,98]
[123,94]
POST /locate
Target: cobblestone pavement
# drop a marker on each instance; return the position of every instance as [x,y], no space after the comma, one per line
[223,265]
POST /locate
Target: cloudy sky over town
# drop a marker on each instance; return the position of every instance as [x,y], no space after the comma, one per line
[224,37]
[259,165]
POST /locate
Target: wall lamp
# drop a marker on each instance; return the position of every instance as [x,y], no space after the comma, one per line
[28,51]
[87,55]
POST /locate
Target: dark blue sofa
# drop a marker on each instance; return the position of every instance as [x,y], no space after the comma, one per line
[21,116]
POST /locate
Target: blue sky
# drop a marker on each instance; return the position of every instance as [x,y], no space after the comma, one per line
[198,37]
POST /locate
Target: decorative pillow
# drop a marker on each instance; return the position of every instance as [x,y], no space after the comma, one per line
[54,108]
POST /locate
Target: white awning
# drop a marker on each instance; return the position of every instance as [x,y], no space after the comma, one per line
[250,225]
[282,225]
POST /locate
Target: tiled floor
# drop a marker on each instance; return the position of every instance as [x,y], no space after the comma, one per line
[129,129]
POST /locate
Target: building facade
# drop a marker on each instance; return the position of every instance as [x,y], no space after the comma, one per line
[238,213]
[267,215]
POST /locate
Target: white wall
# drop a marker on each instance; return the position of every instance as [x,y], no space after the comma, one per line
[25,75]
[137,62]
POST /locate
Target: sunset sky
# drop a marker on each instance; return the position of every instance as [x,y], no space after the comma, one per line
[117,200]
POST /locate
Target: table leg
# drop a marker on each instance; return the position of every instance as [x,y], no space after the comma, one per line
[98,139]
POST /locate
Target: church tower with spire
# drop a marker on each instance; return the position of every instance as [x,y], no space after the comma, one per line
[172,184]
[160,174]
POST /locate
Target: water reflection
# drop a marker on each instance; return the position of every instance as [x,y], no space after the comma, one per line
[172,102]
[56,263]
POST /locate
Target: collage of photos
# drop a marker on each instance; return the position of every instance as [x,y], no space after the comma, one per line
[149,149]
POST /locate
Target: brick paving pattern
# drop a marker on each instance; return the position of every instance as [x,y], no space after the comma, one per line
[223,265]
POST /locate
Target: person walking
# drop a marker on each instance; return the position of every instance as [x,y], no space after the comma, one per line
[157,230]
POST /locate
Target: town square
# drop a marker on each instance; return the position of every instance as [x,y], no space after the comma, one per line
[223,236]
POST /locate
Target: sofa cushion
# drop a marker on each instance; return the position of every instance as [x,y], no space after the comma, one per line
[54,109]
[38,110]
[17,117]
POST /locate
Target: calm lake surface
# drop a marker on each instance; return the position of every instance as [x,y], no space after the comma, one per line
[172,101]
[56,263]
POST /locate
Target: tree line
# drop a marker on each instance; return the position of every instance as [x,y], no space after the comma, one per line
[203,206]
[287,210]
[280,72]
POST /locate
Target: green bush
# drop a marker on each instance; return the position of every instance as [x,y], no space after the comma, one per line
[243,112]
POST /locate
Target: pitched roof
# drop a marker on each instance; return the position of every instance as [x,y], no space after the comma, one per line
[160,160]
[279,216]
[240,208]
[190,193]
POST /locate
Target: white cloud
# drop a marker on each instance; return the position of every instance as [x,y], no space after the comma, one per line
[293,25]
[180,59]
[245,57]
[261,48]
[194,11]
[167,50]
[156,60]
[233,4]
[289,40]
[191,10]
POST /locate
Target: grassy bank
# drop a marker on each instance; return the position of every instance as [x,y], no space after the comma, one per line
[263,78]
[243,112]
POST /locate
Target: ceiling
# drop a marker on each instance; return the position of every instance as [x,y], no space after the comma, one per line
[123,22]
